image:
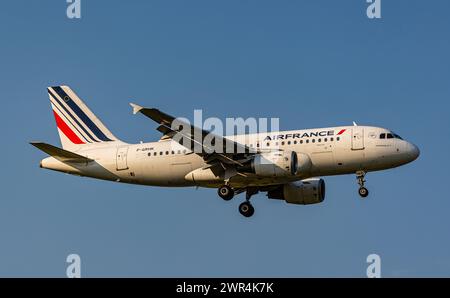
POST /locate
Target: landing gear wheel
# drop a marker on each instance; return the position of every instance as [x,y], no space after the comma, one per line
[246,209]
[363,192]
[225,192]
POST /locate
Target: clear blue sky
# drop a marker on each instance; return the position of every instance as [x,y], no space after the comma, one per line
[311,63]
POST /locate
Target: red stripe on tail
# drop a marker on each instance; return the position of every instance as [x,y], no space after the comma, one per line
[341,132]
[66,130]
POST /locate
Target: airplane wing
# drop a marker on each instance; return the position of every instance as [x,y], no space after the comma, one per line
[61,154]
[192,137]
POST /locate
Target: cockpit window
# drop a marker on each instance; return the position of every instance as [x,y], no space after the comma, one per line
[390,135]
[397,136]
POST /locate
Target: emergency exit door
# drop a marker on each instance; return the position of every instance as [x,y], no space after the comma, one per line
[357,138]
[121,158]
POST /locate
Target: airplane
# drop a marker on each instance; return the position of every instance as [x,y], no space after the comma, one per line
[286,165]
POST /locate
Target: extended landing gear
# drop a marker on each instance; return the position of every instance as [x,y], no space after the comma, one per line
[225,192]
[363,192]
[246,208]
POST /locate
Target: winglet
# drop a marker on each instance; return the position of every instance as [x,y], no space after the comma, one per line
[136,108]
[354,123]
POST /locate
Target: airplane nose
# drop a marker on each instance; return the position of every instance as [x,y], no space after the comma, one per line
[413,151]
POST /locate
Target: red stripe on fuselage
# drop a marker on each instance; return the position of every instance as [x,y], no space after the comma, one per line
[341,132]
[66,130]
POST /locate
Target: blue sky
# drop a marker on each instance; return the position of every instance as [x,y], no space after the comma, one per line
[311,63]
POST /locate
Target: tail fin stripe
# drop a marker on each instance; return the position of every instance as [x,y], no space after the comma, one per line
[58,103]
[64,118]
[76,109]
[66,130]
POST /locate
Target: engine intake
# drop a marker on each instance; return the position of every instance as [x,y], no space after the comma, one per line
[304,192]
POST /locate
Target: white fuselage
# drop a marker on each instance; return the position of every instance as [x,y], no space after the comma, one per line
[332,151]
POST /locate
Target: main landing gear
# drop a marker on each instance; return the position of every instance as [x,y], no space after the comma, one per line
[245,208]
[225,192]
[363,192]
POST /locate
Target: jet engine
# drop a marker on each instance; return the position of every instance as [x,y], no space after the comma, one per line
[277,164]
[304,192]
[272,164]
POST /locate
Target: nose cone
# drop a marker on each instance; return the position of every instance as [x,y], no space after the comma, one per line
[413,151]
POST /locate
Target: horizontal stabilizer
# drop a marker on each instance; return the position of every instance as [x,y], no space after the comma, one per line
[61,154]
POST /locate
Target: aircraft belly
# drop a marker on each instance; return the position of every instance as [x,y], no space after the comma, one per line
[165,171]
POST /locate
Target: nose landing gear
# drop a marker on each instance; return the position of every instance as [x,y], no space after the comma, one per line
[363,192]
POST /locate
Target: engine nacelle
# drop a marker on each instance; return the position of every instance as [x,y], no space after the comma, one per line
[278,164]
[304,192]
[272,164]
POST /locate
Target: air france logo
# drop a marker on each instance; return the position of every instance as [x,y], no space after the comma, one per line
[323,133]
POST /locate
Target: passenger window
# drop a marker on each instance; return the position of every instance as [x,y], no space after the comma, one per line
[319,140]
[295,142]
[155,153]
[307,141]
[149,154]
[301,141]
[383,136]
[282,143]
[161,153]
[179,152]
[289,142]
[268,144]
[313,140]
[325,140]
[184,151]
[331,139]
[173,152]
[338,138]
